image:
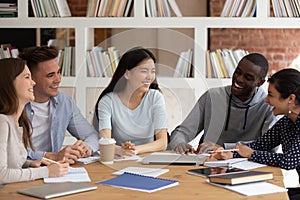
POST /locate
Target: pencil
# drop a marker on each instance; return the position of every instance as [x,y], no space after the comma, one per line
[223,150]
[52,161]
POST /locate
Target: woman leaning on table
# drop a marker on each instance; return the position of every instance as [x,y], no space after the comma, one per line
[16,89]
[284,96]
[131,109]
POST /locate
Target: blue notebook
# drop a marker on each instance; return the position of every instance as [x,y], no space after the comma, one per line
[139,182]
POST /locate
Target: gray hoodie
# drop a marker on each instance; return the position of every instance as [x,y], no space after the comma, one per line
[225,119]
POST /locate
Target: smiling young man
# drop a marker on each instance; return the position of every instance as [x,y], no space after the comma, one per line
[53,112]
[228,114]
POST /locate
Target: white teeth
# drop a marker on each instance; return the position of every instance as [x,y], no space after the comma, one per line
[238,86]
[31,90]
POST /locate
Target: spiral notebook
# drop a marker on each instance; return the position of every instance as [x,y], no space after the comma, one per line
[139,182]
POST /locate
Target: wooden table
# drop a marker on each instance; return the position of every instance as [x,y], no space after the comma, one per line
[190,186]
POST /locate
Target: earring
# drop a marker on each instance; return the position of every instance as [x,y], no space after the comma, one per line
[290,111]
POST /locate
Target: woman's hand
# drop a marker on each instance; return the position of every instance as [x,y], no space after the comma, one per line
[57,170]
[244,151]
[121,152]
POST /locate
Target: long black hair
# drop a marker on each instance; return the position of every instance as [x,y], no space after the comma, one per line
[128,61]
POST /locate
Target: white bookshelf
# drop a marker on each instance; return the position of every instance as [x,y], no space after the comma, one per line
[189,89]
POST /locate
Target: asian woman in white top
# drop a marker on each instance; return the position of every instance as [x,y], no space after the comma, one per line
[131,109]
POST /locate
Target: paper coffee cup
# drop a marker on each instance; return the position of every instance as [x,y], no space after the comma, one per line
[107,150]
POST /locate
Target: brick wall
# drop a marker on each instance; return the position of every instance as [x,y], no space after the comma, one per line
[280,46]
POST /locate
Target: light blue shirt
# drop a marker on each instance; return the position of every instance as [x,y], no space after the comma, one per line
[64,115]
[137,125]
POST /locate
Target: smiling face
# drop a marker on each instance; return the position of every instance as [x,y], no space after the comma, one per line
[24,86]
[246,77]
[47,77]
[141,76]
[280,105]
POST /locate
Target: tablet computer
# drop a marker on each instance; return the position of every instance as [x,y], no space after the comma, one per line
[210,171]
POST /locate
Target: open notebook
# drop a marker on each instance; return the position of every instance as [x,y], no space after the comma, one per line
[174,158]
[49,191]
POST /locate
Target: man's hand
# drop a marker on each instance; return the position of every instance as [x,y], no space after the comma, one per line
[84,149]
[207,146]
[68,153]
[184,148]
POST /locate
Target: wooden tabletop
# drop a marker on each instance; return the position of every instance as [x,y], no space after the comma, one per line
[190,186]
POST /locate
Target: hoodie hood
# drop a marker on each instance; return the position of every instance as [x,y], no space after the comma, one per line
[259,94]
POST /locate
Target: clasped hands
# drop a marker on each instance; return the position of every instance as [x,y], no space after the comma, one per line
[71,153]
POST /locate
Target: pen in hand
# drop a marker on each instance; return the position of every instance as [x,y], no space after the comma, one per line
[52,161]
[223,150]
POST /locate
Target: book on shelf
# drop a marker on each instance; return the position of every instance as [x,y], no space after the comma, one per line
[63,8]
[139,182]
[92,8]
[8,51]
[239,8]
[240,177]
[221,63]
[162,8]
[184,64]
[286,8]
[50,8]
[101,62]
[8,9]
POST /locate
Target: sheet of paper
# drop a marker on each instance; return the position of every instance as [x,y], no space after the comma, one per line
[134,157]
[247,165]
[78,174]
[88,160]
[251,189]
[146,171]
[290,178]
[224,163]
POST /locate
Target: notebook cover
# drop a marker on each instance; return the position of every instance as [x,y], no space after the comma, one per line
[139,182]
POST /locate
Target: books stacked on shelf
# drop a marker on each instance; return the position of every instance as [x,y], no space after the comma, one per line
[8,9]
[239,8]
[286,8]
[50,8]
[109,8]
[8,51]
[221,63]
[184,67]
[101,62]
[66,61]
[162,8]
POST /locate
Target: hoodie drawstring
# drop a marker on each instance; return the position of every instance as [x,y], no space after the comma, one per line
[245,119]
[228,112]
